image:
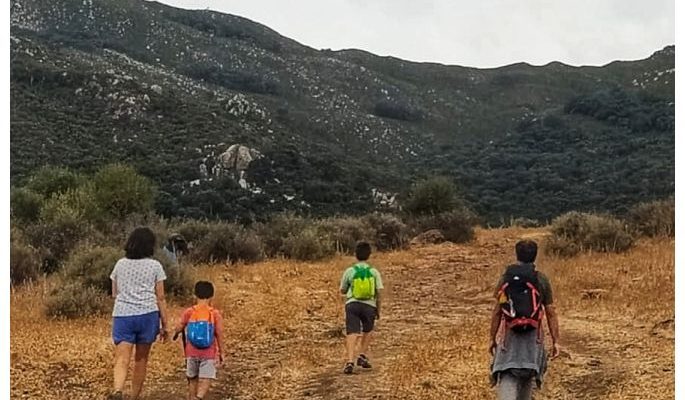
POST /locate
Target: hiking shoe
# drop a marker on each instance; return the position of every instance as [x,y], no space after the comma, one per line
[349,368]
[363,362]
[116,396]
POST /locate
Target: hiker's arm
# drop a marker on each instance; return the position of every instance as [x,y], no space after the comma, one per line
[218,332]
[378,303]
[161,304]
[494,326]
[553,324]
[114,288]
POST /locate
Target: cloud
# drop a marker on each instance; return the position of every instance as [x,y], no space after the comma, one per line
[481,33]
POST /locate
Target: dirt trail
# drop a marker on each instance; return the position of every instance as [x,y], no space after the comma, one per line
[284,330]
[426,300]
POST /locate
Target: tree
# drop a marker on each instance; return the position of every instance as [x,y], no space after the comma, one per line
[120,191]
[433,196]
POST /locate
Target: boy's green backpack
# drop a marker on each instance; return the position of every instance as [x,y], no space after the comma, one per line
[363,283]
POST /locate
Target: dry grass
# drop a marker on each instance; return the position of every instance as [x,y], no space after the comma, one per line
[284,321]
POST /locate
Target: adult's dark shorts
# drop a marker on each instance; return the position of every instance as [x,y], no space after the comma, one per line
[359,317]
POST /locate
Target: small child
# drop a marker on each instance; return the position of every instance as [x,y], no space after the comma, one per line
[361,285]
[202,327]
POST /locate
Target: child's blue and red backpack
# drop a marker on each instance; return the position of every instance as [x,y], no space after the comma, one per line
[200,328]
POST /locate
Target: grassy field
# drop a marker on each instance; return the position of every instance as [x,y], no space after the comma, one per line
[284,329]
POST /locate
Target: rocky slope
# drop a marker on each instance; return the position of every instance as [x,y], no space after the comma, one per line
[170,91]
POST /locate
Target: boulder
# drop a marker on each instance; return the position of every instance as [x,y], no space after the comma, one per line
[238,158]
[433,236]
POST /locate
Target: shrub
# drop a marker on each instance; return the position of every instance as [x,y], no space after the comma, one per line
[231,243]
[456,225]
[586,231]
[390,231]
[74,300]
[344,233]
[25,205]
[120,191]
[308,244]
[56,239]
[397,110]
[24,263]
[92,266]
[522,222]
[194,231]
[53,180]
[432,196]
[656,218]
[74,204]
[274,232]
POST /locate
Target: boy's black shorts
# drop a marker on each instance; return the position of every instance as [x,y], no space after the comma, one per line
[359,317]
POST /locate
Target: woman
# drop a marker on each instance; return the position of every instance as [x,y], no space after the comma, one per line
[139,309]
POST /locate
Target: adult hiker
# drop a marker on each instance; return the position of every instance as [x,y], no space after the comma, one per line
[139,309]
[175,246]
[362,286]
[524,298]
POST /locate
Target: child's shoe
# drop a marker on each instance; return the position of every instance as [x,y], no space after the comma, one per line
[363,362]
[349,368]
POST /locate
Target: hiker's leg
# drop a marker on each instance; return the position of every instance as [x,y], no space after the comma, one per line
[203,388]
[192,388]
[140,368]
[366,341]
[525,389]
[368,320]
[508,386]
[351,345]
[122,357]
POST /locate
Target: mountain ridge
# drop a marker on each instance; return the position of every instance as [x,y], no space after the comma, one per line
[169,90]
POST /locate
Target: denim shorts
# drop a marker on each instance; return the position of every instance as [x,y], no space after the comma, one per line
[136,329]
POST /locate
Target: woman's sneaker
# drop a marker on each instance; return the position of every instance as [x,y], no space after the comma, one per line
[349,368]
[363,362]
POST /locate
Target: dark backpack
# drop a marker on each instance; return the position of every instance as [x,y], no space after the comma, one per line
[519,298]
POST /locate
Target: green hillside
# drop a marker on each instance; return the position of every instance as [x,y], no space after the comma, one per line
[170,90]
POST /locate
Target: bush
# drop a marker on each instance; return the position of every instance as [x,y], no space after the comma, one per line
[74,300]
[432,196]
[25,205]
[274,232]
[56,239]
[345,233]
[194,231]
[120,191]
[24,263]
[53,180]
[308,244]
[397,110]
[92,267]
[656,218]
[73,204]
[456,225]
[586,231]
[231,243]
[390,231]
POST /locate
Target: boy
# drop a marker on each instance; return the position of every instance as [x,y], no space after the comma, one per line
[520,360]
[202,326]
[362,285]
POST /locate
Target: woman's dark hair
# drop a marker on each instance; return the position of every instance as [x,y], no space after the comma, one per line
[363,251]
[140,244]
[526,251]
[204,290]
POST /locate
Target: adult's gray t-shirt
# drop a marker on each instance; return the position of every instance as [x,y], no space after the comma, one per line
[136,281]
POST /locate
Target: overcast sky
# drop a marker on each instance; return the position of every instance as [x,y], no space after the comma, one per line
[477,33]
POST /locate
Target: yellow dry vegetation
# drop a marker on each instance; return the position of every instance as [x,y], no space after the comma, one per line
[284,329]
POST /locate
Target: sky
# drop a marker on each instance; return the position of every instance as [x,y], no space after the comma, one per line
[475,33]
